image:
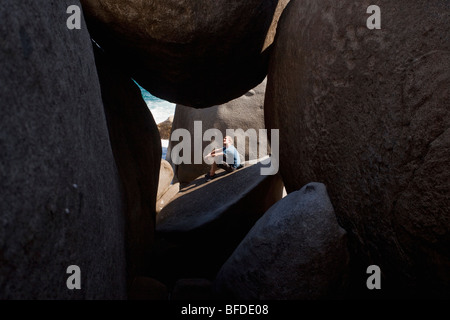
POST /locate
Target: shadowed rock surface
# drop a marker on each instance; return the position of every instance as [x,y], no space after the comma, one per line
[296,250]
[196,53]
[144,288]
[137,150]
[192,289]
[60,192]
[245,112]
[367,113]
[203,224]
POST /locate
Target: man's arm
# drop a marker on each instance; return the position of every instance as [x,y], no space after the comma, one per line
[215,153]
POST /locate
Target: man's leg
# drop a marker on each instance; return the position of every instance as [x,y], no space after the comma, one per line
[209,176]
[225,166]
[213,169]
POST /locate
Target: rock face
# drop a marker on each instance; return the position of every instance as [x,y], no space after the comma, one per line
[165,127]
[137,150]
[144,288]
[60,192]
[196,53]
[366,112]
[246,112]
[166,190]
[165,198]
[199,229]
[192,289]
[297,250]
[165,178]
[273,27]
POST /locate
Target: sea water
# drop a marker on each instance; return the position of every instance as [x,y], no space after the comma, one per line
[161,111]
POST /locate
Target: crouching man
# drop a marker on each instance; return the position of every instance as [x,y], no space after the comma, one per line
[231,159]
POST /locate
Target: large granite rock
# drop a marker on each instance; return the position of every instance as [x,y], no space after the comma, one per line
[137,150]
[144,288]
[196,53]
[165,128]
[245,112]
[192,289]
[200,228]
[367,113]
[273,27]
[297,250]
[167,196]
[165,178]
[60,192]
[166,190]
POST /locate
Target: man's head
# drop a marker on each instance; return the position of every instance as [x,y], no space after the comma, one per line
[227,141]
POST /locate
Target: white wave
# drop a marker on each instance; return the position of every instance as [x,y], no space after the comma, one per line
[161,110]
[164,143]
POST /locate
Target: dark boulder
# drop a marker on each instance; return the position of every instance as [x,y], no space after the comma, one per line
[196,53]
[136,145]
[60,191]
[296,251]
[199,229]
[367,113]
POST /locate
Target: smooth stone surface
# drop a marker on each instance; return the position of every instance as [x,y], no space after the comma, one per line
[199,229]
[367,113]
[192,289]
[196,53]
[144,288]
[165,199]
[60,192]
[295,251]
[165,178]
[137,151]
